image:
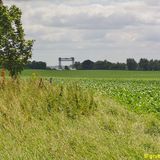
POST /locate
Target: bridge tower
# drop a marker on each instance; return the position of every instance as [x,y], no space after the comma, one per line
[72,59]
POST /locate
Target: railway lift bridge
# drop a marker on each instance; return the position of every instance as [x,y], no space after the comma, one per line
[71,59]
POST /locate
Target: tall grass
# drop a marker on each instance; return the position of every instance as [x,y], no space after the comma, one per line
[39,120]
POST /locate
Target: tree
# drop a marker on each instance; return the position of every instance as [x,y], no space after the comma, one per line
[131,64]
[156,64]
[118,66]
[36,65]
[87,65]
[14,49]
[77,65]
[100,65]
[66,67]
[144,64]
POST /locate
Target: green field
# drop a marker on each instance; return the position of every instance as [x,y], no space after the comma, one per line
[91,115]
[96,74]
[139,90]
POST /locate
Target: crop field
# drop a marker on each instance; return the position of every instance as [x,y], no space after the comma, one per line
[140,91]
[101,74]
[139,96]
[110,115]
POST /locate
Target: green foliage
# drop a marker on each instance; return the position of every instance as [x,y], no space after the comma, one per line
[14,49]
[36,65]
[144,64]
[132,64]
[139,96]
[87,65]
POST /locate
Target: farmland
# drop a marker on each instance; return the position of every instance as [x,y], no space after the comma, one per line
[148,75]
[139,96]
[140,91]
[80,115]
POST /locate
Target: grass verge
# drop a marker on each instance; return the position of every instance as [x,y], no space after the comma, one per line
[44,121]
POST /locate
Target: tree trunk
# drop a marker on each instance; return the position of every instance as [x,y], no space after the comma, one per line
[3,74]
[1,2]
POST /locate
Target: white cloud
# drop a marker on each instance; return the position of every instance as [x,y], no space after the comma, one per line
[92,27]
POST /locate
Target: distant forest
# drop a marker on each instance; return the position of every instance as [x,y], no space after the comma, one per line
[131,64]
[36,65]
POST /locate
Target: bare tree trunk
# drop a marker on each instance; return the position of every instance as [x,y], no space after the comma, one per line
[1,2]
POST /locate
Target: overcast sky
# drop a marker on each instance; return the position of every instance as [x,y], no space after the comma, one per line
[92,29]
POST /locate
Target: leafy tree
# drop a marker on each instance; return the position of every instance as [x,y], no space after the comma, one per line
[100,65]
[131,64]
[108,65]
[118,66]
[77,65]
[14,49]
[154,65]
[87,65]
[36,65]
[144,64]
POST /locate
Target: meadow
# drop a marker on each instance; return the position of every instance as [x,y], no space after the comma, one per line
[110,115]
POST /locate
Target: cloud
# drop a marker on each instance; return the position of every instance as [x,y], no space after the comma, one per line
[92,27]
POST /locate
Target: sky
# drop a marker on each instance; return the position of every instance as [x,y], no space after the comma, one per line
[91,29]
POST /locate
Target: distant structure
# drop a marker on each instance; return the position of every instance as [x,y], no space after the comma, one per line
[72,59]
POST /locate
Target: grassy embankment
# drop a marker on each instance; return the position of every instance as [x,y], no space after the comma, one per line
[68,122]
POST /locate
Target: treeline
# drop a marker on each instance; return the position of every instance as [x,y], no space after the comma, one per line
[36,65]
[131,64]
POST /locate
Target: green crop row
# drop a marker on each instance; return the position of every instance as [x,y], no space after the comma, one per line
[138,95]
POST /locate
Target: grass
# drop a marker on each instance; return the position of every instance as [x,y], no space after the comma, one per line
[80,115]
[101,74]
[55,121]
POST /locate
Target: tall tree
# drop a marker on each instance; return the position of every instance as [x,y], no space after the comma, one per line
[100,65]
[77,65]
[14,49]
[131,64]
[144,64]
[87,65]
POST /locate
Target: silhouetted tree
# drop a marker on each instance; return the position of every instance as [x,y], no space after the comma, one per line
[100,65]
[144,64]
[154,65]
[77,65]
[118,66]
[66,67]
[36,65]
[87,65]
[131,64]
